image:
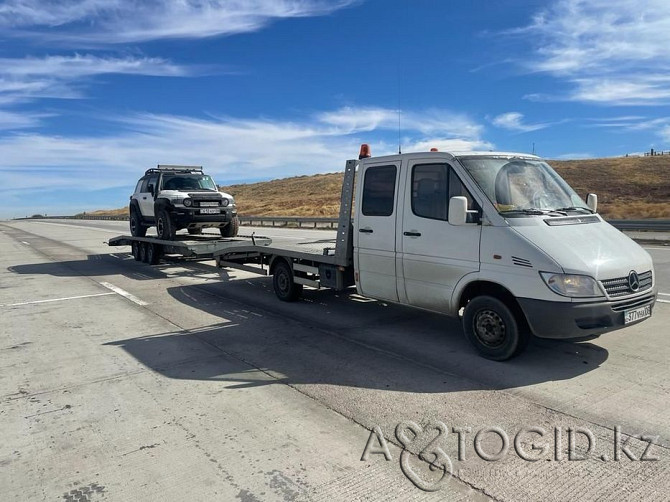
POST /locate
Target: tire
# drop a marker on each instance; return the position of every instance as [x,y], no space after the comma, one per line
[153,254]
[137,229]
[231,229]
[195,231]
[285,287]
[493,329]
[164,226]
[135,247]
[142,251]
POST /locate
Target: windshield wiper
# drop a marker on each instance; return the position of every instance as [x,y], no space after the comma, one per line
[523,211]
[573,208]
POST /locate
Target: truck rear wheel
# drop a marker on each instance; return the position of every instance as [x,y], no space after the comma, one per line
[153,253]
[284,285]
[492,328]
[164,226]
[135,247]
[142,251]
[231,229]
[136,227]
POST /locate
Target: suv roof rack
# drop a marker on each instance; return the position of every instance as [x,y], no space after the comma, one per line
[167,168]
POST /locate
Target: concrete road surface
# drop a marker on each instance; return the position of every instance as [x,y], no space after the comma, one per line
[121,381]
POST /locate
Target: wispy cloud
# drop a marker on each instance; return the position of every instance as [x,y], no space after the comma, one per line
[513,121]
[65,77]
[609,52]
[227,146]
[123,21]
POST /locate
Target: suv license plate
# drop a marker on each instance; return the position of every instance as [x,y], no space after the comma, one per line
[210,211]
[630,316]
[209,204]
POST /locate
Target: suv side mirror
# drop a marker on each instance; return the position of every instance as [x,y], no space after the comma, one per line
[150,188]
[458,210]
[592,201]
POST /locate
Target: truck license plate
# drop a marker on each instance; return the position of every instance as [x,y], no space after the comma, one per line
[637,314]
[210,211]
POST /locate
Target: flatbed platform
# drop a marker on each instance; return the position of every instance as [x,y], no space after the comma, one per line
[196,246]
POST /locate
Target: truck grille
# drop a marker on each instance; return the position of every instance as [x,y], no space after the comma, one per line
[621,286]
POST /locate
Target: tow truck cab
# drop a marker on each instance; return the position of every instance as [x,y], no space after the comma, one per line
[499,239]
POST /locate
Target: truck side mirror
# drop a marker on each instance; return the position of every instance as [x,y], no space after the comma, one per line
[458,210]
[592,201]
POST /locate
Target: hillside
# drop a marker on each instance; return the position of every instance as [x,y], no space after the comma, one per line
[627,187]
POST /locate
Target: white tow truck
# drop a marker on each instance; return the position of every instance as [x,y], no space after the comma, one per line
[498,239]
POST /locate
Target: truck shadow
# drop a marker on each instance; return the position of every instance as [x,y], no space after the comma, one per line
[99,265]
[340,339]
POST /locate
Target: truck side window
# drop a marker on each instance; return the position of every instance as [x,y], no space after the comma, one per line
[379,191]
[430,187]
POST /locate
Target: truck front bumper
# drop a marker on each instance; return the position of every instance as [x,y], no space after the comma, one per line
[576,320]
[184,217]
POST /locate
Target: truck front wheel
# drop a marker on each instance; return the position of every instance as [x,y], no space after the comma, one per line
[492,328]
[284,285]
[164,226]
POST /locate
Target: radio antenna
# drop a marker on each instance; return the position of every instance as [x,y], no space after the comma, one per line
[399,143]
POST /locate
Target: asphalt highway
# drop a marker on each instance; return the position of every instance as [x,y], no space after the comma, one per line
[122,381]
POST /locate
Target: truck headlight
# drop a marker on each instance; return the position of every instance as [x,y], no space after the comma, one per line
[188,202]
[572,285]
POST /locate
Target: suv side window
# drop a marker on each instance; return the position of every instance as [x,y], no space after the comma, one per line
[140,184]
[379,191]
[151,180]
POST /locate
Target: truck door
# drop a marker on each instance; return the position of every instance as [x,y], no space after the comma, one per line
[375,232]
[435,254]
[146,198]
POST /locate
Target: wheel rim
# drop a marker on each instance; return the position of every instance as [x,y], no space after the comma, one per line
[160,227]
[283,282]
[133,224]
[489,328]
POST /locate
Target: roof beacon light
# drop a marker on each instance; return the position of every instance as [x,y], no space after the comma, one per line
[434,149]
[365,152]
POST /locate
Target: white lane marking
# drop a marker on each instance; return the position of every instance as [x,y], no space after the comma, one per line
[26,243]
[54,300]
[124,293]
[663,249]
[663,301]
[664,294]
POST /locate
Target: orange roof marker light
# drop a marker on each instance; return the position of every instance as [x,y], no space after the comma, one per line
[434,149]
[365,152]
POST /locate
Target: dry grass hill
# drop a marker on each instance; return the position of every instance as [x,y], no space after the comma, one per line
[627,188]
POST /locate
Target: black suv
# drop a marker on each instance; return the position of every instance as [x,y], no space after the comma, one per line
[176,197]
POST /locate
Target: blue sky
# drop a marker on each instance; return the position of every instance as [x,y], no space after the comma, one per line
[93,92]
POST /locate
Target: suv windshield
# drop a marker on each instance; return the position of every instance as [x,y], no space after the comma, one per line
[515,184]
[187,182]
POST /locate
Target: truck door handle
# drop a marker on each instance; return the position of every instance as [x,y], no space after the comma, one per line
[365,230]
[412,234]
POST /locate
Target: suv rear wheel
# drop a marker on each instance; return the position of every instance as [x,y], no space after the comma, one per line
[136,227]
[164,226]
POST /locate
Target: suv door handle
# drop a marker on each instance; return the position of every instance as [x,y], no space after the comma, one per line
[144,198]
[365,230]
[412,234]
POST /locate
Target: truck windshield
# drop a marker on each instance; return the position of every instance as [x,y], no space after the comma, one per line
[524,186]
[188,182]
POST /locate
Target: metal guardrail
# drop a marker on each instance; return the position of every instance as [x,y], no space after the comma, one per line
[299,222]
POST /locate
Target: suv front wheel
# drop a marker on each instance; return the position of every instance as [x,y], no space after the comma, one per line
[136,227]
[164,226]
